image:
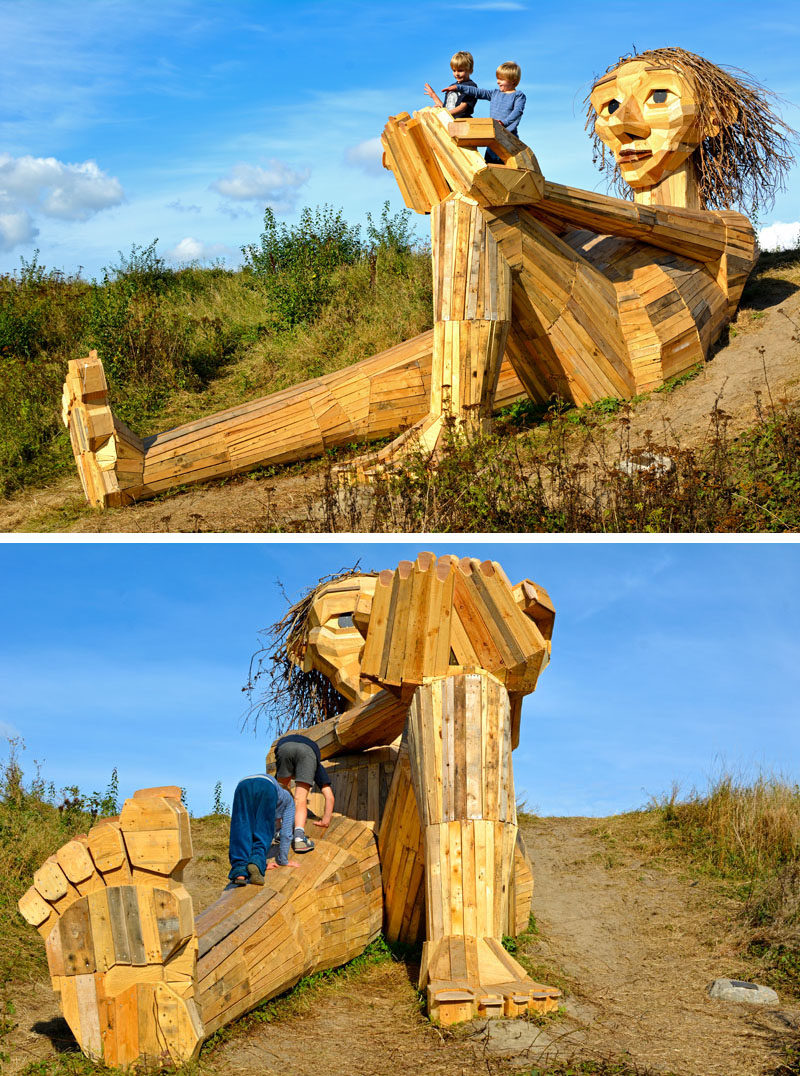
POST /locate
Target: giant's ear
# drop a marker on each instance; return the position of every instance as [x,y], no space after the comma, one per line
[723,114]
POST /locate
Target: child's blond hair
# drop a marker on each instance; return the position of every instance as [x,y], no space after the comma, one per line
[509,71]
[462,61]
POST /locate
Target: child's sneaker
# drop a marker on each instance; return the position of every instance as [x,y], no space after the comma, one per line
[256,877]
[301,843]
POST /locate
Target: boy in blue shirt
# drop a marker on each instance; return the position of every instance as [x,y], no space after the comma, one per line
[258,803]
[506,103]
[457,104]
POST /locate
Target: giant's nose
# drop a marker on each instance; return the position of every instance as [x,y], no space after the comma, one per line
[628,120]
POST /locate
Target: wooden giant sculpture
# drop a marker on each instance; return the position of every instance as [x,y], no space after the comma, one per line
[539,288]
[434,658]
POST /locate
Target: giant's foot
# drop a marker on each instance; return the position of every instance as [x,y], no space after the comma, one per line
[466,977]
[109,457]
[119,931]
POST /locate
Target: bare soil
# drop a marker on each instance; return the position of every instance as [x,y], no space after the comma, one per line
[758,360]
[633,943]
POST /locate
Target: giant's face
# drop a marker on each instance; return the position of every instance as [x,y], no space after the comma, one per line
[647,116]
[335,644]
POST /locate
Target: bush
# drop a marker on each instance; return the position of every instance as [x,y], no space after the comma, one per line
[294,264]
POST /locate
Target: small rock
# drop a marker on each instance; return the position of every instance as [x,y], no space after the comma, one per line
[646,461]
[736,990]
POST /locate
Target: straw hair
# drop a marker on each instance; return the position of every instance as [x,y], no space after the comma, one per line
[288,697]
[746,163]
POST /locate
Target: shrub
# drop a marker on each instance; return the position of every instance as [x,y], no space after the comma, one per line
[295,263]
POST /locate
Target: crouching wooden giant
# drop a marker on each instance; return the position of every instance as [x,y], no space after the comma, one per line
[433,660]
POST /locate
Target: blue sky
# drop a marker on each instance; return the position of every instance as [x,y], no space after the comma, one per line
[124,121]
[669,661]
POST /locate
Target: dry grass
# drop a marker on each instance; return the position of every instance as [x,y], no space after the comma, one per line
[737,828]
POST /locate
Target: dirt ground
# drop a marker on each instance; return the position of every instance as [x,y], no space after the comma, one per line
[633,945]
[761,357]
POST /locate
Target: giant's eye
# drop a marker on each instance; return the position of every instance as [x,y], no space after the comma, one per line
[612,106]
[346,620]
[659,97]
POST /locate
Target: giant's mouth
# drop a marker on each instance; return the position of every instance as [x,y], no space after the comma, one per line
[633,156]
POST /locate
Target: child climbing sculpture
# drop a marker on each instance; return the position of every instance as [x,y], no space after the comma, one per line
[546,288]
[438,653]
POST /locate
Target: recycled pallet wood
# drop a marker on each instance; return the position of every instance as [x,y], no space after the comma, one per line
[456,647]
[434,658]
[539,288]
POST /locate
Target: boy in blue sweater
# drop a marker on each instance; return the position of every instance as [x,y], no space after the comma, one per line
[258,803]
[506,103]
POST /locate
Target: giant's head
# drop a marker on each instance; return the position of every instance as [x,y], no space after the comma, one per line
[653,111]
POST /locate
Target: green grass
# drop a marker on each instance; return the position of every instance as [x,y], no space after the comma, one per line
[32,827]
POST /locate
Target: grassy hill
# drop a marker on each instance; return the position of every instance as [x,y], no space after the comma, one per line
[181,344]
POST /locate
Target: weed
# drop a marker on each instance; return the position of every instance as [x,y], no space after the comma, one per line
[619,1067]
[220,808]
[673,383]
[543,481]
[75,1064]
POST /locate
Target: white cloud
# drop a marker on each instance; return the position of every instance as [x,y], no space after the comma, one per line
[780,236]
[367,156]
[276,185]
[16,228]
[190,249]
[66,191]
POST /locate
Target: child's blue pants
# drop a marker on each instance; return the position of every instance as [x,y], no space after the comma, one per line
[252,824]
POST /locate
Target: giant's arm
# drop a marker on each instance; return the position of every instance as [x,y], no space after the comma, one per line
[432,156]
[693,233]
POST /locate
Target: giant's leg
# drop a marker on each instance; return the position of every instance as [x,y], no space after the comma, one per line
[459,738]
[472,314]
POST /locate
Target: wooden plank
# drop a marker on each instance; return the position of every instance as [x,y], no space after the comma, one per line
[76,939]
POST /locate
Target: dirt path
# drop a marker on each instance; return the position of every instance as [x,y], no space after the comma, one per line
[639,947]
